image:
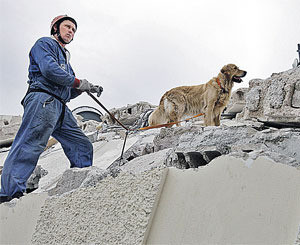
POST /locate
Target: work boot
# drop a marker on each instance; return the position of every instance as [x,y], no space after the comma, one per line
[4,199]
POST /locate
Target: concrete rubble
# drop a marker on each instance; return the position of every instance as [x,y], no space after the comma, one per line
[9,126]
[275,99]
[236,184]
[129,114]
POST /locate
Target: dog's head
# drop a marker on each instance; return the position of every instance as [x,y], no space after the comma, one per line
[233,73]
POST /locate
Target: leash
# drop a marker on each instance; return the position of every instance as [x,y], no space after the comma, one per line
[114,118]
[111,115]
[144,128]
[171,123]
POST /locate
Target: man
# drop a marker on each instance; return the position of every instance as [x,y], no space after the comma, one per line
[52,83]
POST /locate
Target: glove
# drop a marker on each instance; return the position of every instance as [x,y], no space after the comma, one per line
[85,85]
[96,89]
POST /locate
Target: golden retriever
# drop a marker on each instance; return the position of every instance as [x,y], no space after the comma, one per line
[210,98]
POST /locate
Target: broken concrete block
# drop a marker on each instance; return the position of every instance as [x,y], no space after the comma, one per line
[148,162]
[275,99]
[33,181]
[252,98]
[237,102]
[92,136]
[244,138]
[243,205]
[127,115]
[115,211]
[143,145]
[95,175]
[19,218]
[70,180]
[296,96]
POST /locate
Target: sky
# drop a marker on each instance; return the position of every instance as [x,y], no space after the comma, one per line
[137,49]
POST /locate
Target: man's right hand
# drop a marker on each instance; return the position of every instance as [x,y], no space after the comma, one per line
[85,85]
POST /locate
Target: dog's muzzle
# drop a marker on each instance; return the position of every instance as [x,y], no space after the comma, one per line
[238,79]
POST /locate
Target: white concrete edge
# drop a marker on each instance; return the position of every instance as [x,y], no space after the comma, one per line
[155,205]
[19,218]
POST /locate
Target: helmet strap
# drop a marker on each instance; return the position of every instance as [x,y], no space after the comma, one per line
[59,36]
[60,39]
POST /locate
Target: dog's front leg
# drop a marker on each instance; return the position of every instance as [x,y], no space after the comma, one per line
[209,116]
[217,116]
[217,120]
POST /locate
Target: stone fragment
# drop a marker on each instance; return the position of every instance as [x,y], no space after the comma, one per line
[33,181]
[296,95]
[275,99]
[127,115]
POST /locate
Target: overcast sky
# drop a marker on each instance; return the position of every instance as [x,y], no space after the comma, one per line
[138,49]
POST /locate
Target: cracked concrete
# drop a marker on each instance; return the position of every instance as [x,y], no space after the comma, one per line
[115,201]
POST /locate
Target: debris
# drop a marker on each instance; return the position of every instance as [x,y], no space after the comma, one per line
[275,99]
[115,202]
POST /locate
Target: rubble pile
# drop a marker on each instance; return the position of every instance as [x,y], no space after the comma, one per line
[113,202]
[9,126]
[128,115]
[275,99]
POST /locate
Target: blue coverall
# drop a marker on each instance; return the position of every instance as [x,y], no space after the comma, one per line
[50,70]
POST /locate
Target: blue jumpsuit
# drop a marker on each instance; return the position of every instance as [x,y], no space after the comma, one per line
[49,70]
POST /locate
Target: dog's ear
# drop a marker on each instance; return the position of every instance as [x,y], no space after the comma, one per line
[224,70]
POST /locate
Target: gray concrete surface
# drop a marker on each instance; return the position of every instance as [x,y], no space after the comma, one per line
[229,202]
[115,211]
[19,218]
[275,99]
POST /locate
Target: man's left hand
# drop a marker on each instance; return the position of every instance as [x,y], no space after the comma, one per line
[96,89]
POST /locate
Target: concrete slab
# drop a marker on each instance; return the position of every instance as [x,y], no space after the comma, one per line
[115,211]
[18,219]
[227,202]
[105,153]
[55,162]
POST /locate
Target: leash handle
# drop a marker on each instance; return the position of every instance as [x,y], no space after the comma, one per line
[111,115]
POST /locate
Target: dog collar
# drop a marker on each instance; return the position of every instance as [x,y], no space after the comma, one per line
[223,89]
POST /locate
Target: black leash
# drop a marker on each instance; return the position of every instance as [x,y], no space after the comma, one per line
[113,117]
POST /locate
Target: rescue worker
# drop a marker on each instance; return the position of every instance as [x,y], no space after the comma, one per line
[52,83]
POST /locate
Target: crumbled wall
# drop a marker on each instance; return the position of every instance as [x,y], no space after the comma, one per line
[245,140]
[275,99]
[127,115]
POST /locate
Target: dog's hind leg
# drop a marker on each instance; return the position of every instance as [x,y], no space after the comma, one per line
[173,117]
[171,111]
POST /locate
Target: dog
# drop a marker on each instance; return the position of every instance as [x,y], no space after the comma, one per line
[210,98]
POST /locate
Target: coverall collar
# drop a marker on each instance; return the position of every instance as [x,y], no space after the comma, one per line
[68,55]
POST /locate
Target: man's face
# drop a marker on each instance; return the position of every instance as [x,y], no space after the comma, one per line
[67,30]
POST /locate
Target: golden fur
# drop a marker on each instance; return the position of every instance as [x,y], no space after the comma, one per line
[209,98]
